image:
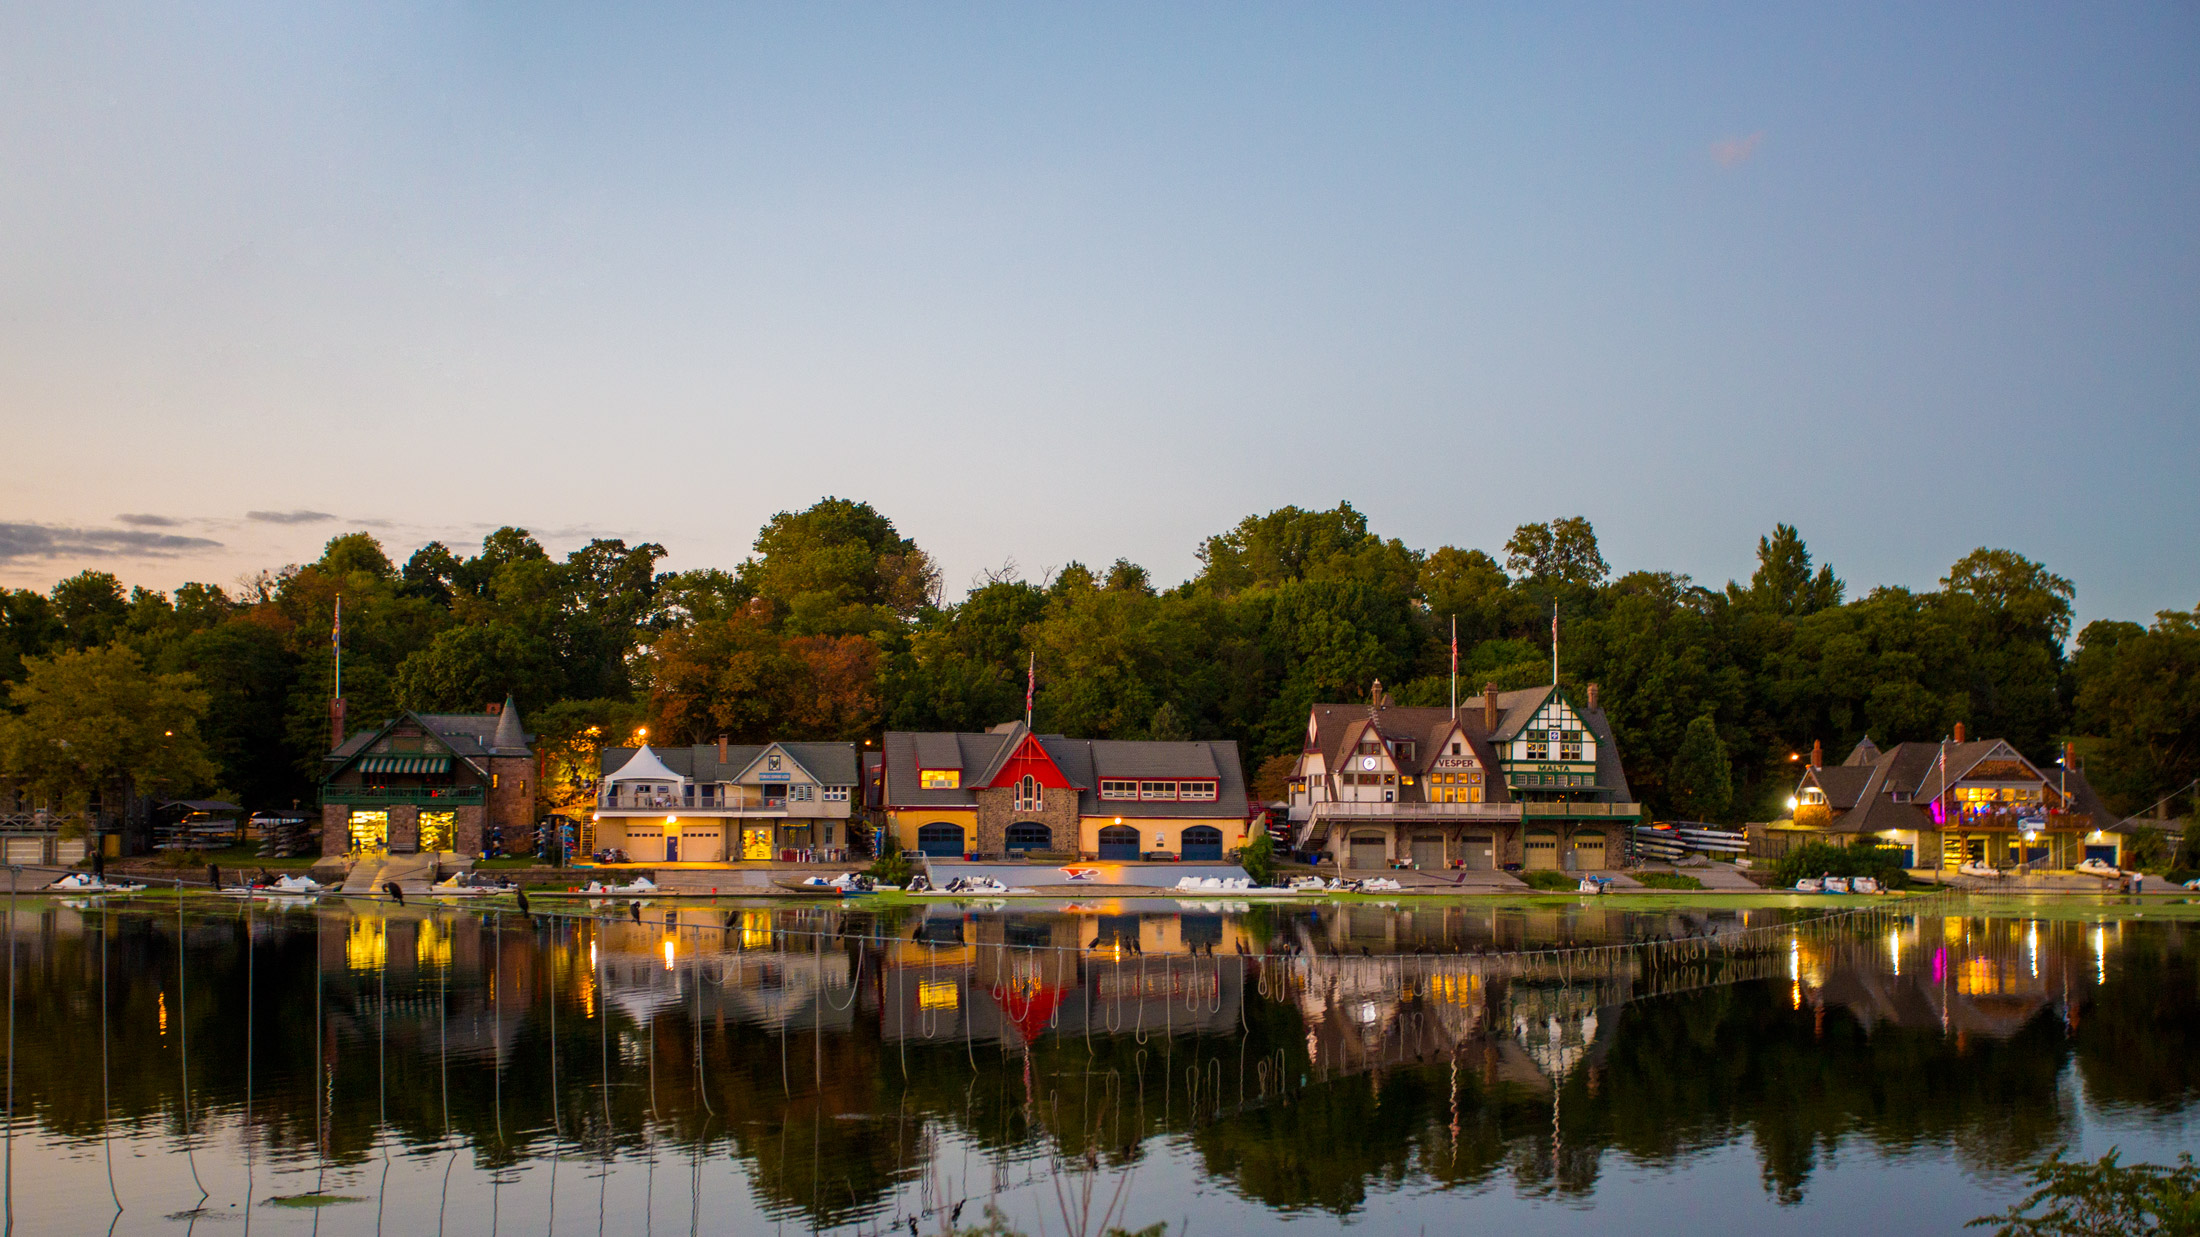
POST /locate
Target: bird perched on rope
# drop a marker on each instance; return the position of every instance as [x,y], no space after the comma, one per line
[396,894]
[523,908]
[636,909]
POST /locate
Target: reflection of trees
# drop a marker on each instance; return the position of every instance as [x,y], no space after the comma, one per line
[832,1100]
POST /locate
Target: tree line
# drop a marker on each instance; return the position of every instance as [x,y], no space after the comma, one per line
[835,627]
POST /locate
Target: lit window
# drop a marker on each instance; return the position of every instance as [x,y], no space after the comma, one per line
[940,779]
[1539,750]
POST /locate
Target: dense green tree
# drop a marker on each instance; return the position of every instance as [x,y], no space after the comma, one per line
[1562,552]
[2138,701]
[95,724]
[1702,777]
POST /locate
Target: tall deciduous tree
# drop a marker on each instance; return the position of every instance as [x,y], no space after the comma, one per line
[94,723]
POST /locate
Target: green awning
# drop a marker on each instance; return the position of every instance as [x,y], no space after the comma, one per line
[404,764]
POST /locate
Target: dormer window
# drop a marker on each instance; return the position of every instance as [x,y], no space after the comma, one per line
[1455,748]
[940,779]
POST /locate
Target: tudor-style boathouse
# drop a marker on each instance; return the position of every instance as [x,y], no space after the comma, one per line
[431,782]
[1522,779]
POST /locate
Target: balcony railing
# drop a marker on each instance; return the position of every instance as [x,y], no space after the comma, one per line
[735,804]
[424,796]
[1463,811]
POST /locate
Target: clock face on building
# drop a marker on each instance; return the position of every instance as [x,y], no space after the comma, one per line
[1367,762]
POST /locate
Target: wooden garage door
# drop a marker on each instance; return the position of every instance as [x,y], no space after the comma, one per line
[1542,850]
[1428,852]
[1478,851]
[1367,852]
[1589,851]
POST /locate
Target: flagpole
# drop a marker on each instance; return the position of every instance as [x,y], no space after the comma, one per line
[1554,642]
[336,637]
[1031,684]
[1455,667]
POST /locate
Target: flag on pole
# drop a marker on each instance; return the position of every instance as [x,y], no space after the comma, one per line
[336,633]
[1031,684]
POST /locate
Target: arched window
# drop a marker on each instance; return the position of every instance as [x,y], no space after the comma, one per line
[1027,794]
[1029,835]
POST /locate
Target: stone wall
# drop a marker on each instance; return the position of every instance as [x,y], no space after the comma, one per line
[997,811]
[335,828]
[511,800]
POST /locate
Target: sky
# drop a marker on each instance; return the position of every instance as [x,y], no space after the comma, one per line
[1046,283]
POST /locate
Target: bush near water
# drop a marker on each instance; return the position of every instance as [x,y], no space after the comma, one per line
[1882,863]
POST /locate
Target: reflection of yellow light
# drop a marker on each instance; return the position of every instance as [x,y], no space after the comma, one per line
[1894,952]
[668,953]
[1454,989]
[2032,943]
[1795,959]
[433,946]
[1978,977]
[1795,995]
[367,945]
[938,994]
[756,929]
[2100,955]
[162,999]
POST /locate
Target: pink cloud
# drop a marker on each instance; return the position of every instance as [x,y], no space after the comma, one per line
[1733,151]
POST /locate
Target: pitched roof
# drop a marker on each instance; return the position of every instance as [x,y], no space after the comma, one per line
[832,764]
[1083,763]
[1863,792]
[470,736]
[642,765]
[1336,728]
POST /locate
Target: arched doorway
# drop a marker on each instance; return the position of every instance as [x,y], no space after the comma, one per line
[1202,843]
[1029,835]
[1119,842]
[940,840]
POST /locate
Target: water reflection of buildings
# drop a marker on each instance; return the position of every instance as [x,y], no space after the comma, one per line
[1965,976]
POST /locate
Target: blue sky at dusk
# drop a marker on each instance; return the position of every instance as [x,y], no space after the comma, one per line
[1046,283]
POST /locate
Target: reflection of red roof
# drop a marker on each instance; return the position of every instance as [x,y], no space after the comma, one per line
[1031,1011]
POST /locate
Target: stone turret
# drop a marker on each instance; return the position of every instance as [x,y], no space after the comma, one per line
[510,740]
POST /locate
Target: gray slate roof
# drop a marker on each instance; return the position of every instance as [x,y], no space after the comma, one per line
[832,764]
[1083,763]
[1862,790]
[1337,727]
[467,734]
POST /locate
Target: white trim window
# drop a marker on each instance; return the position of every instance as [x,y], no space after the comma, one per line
[1195,790]
[1029,796]
[1157,790]
[1111,788]
[836,794]
[805,793]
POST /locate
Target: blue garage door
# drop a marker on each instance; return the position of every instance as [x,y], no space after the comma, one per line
[1202,842]
[1119,842]
[941,840]
[1029,835]
[2106,854]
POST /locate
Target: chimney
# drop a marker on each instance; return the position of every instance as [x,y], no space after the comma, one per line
[1817,754]
[721,749]
[1489,707]
[336,723]
[1375,694]
[495,708]
[1592,695]
[2070,755]
[1959,732]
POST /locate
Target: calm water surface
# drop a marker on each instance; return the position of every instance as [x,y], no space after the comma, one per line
[1225,1067]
